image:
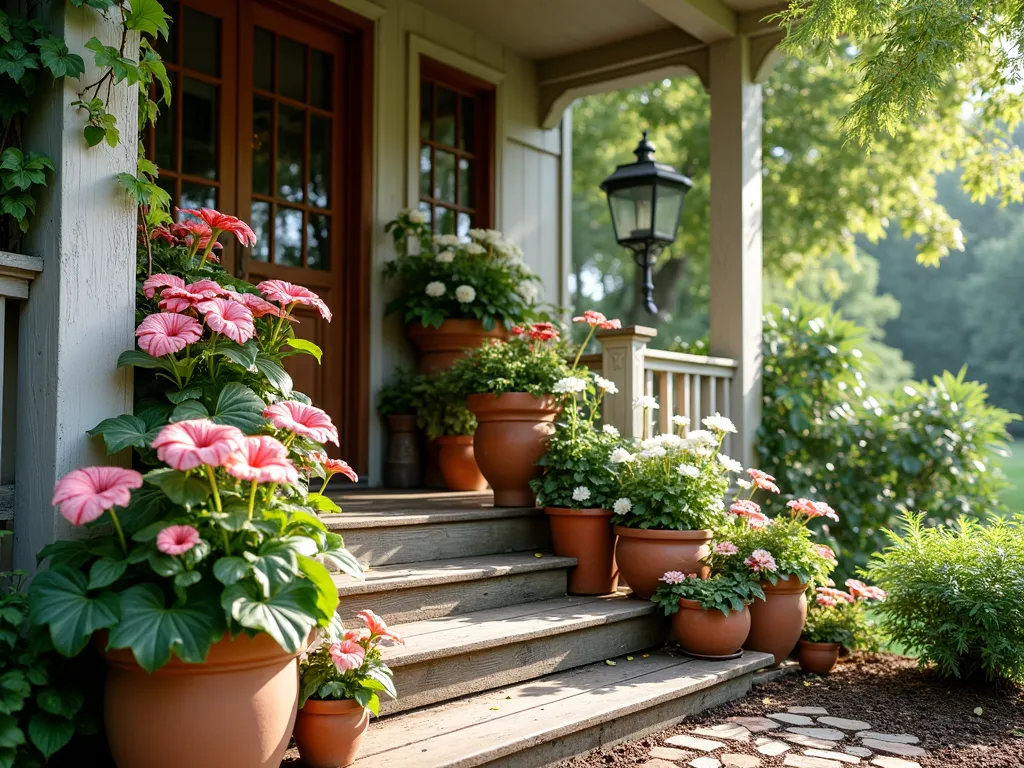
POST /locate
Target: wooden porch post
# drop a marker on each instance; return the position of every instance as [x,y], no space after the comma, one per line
[736,230]
[80,313]
[622,361]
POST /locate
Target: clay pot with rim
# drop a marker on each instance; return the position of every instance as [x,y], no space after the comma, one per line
[403,469]
[330,733]
[644,556]
[706,632]
[235,710]
[440,347]
[777,621]
[818,658]
[511,437]
[586,534]
[458,464]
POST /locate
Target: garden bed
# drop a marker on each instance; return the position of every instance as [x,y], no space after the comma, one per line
[885,690]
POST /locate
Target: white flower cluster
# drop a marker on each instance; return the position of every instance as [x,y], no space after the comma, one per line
[687,470]
[415,215]
[447,241]
[621,456]
[475,249]
[606,384]
[436,289]
[581,493]
[529,290]
[646,402]
[622,506]
[608,429]
[680,421]
[465,294]
[731,465]
[445,257]
[570,385]
[719,423]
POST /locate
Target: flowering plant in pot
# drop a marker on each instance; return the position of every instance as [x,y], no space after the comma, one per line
[783,553]
[670,498]
[342,675]
[510,389]
[837,619]
[454,292]
[443,415]
[709,616]
[398,402]
[576,482]
[204,572]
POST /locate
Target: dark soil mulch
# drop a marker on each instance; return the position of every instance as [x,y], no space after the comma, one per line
[888,691]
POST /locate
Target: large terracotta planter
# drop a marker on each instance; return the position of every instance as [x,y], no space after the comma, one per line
[235,710]
[458,465]
[645,556]
[818,658]
[403,468]
[329,733]
[511,437]
[440,347]
[777,621]
[709,633]
[586,534]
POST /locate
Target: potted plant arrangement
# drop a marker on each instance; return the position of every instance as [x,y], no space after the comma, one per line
[783,554]
[452,293]
[710,618]
[670,500]
[836,619]
[204,572]
[397,403]
[576,481]
[449,426]
[510,389]
[341,678]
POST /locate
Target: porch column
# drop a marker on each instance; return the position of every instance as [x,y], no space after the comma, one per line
[736,230]
[622,361]
[80,313]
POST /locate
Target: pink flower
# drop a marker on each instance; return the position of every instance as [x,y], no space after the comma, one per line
[176,299]
[222,222]
[758,520]
[593,318]
[166,333]
[761,560]
[379,628]
[836,595]
[726,548]
[826,600]
[177,539]
[542,332]
[517,330]
[288,294]
[229,318]
[862,591]
[357,635]
[826,553]
[258,306]
[812,509]
[763,480]
[262,459]
[745,508]
[673,577]
[187,444]
[306,420]
[347,655]
[160,281]
[85,494]
[336,467]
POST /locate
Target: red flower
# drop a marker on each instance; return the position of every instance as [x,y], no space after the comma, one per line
[763,480]
[543,332]
[222,222]
[337,467]
[594,318]
[517,330]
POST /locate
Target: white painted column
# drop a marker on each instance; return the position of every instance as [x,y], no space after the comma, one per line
[622,361]
[736,230]
[80,313]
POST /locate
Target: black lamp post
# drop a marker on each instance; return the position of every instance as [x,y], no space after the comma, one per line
[646,201]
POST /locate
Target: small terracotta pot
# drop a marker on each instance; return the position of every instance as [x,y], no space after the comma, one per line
[777,621]
[511,437]
[709,633]
[440,347]
[586,534]
[235,710]
[645,556]
[818,658]
[403,468]
[458,465]
[329,733]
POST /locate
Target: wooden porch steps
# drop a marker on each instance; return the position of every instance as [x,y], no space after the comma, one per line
[501,667]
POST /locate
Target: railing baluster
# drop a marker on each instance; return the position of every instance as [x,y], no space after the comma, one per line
[697,415]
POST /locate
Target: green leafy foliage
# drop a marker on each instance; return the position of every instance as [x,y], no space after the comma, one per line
[531,361]
[789,541]
[441,406]
[956,594]
[723,592]
[399,397]
[844,620]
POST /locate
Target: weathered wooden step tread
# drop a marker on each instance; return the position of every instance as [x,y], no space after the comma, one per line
[379,509]
[502,723]
[347,521]
[411,575]
[468,632]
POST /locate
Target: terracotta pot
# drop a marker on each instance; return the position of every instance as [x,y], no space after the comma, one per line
[329,733]
[586,534]
[458,465]
[709,633]
[645,556]
[777,621]
[818,658]
[440,347]
[235,710]
[403,465]
[511,437]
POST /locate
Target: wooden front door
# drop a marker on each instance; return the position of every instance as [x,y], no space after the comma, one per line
[273,127]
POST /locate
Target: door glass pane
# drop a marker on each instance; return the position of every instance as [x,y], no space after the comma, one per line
[320,79]
[288,237]
[165,137]
[197,196]
[291,68]
[426,209]
[201,50]
[199,131]
[465,223]
[290,142]
[168,49]
[467,131]
[318,236]
[444,221]
[465,183]
[319,161]
[447,104]
[426,109]
[425,164]
[167,185]
[263,59]
[259,220]
[262,146]
[444,176]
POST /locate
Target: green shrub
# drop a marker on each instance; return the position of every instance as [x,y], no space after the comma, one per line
[441,407]
[956,594]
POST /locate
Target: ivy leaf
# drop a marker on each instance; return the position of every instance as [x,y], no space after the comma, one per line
[94,135]
[60,702]
[286,615]
[59,598]
[306,346]
[278,377]
[50,733]
[238,406]
[15,60]
[18,205]
[10,734]
[147,17]
[23,171]
[55,56]
[120,432]
[179,487]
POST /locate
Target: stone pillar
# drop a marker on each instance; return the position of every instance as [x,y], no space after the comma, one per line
[736,231]
[622,361]
[80,313]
